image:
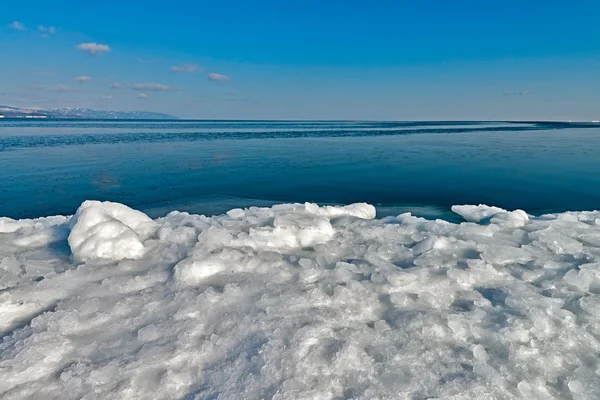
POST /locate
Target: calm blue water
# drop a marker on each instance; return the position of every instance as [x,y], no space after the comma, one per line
[50,167]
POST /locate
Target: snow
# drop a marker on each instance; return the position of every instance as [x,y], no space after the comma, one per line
[108,231]
[300,302]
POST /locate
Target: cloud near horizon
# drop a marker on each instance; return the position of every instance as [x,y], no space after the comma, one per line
[94,48]
[523,93]
[153,87]
[83,79]
[216,77]
[17,25]
[185,68]
[142,96]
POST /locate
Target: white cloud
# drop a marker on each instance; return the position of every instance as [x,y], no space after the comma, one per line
[83,79]
[17,25]
[185,68]
[523,93]
[93,48]
[50,29]
[107,97]
[213,76]
[154,87]
[116,85]
[142,96]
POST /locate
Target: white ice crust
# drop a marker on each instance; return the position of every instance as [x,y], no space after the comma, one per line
[299,301]
[108,231]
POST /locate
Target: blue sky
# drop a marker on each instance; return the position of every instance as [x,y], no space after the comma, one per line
[306,59]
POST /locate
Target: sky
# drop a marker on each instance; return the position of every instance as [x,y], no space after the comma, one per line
[273,59]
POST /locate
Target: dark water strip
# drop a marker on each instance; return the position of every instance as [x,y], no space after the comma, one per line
[8,143]
[215,124]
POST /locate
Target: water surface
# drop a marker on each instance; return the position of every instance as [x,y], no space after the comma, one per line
[49,167]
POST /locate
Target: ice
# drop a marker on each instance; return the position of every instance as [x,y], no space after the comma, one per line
[476,213]
[109,231]
[495,215]
[299,301]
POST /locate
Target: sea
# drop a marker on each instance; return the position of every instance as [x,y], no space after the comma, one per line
[49,167]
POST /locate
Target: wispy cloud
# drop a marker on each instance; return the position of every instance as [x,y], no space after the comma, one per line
[216,77]
[153,87]
[142,96]
[17,25]
[107,97]
[47,29]
[83,79]
[523,93]
[94,48]
[185,68]
[56,88]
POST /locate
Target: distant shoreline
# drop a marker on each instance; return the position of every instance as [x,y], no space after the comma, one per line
[9,112]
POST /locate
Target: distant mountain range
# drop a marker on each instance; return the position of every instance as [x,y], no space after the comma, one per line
[83,113]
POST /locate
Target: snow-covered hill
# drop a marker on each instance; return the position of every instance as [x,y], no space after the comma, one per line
[17,112]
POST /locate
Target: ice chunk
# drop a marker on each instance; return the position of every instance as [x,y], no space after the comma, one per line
[495,215]
[591,304]
[480,354]
[476,213]
[8,225]
[148,333]
[556,241]
[502,255]
[425,245]
[109,231]
[512,219]
[587,276]
[236,213]
[359,210]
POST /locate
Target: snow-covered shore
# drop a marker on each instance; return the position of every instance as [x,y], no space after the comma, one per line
[300,302]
